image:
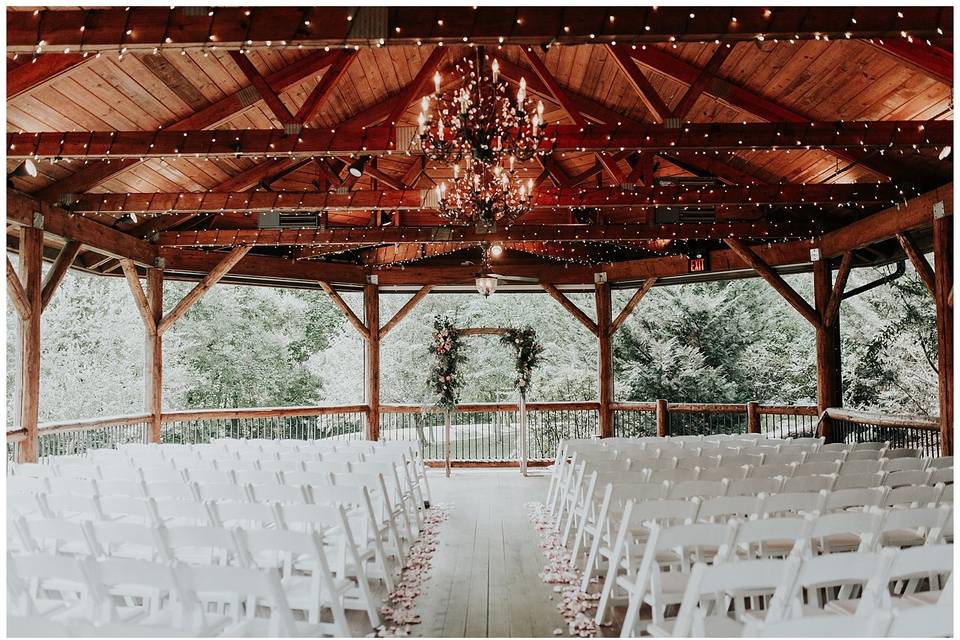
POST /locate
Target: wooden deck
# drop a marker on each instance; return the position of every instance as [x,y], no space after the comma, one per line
[485,581]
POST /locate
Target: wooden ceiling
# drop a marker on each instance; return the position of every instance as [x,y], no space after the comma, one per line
[741,76]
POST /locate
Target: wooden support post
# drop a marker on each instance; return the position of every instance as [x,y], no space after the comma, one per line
[153,355]
[605,359]
[662,418]
[829,377]
[31,266]
[753,417]
[371,315]
[919,262]
[943,265]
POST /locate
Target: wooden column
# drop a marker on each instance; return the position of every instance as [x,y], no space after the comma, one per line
[153,354]
[371,316]
[753,417]
[605,357]
[662,418]
[31,263]
[829,377]
[943,266]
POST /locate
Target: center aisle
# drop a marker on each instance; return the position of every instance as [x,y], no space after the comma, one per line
[485,578]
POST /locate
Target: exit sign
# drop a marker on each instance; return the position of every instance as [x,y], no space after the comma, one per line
[697,263]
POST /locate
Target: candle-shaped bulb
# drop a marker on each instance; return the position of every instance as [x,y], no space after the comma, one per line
[440,128]
[522,92]
[456,171]
[442,188]
[422,120]
[496,69]
[529,185]
[436,82]
[512,160]
[425,103]
[540,108]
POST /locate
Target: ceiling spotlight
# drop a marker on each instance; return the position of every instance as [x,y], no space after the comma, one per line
[26,168]
[356,169]
[127,218]
[945,152]
[496,251]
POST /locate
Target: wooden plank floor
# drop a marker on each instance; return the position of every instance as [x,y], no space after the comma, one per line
[484,581]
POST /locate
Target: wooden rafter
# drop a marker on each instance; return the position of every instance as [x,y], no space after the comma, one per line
[267,94]
[707,73]
[323,90]
[631,304]
[574,310]
[404,310]
[58,271]
[212,277]
[346,310]
[644,90]
[139,297]
[231,27]
[210,116]
[39,71]
[836,294]
[924,270]
[414,90]
[775,280]
[862,135]
[18,295]
[931,60]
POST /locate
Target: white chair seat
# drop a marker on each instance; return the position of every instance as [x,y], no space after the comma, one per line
[901,538]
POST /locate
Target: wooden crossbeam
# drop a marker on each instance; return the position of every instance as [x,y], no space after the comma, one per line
[58,271]
[567,304]
[202,287]
[385,178]
[416,89]
[146,27]
[924,270]
[393,234]
[38,71]
[543,197]
[139,297]
[707,73]
[323,90]
[631,304]
[404,310]
[775,280]
[850,135]
[210,116]
[346,310]
[267,94]
[644,90]
[836,295]
[18,295]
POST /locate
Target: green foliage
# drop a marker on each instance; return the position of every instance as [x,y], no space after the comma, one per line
[528,350]
[446,378]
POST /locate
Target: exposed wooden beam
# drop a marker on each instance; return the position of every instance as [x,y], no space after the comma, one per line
[574,310]
[836,295]
[325,87]
[514,233]
[22,210]
[346,310]
[38,71]
[934,61]
[603,301]
[775,280]
[631,304]
[139,297]
[641,86]
[414,90]
[924,270]
[371,360]
[202,287]
[707,73]
[28,387]
[385,178]
[254,268]
[17,294]
[267,94]
[210,116]
[58,271]
[839,136]
[146,27]
[113,204]
[404,310]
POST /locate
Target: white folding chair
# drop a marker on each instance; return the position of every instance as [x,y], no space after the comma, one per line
[821,626]
[256,477]
[282,494]
[894,454]
[673,475]
[770,538]
[844,531]
[754,486]
[941,476]
[821,468]
[204,546]
[807,484]
[943,462]
[177,513]
[698,489]
[858,480]
[72,486]
[123,540]
[723,508]
[70,507]
[853,499]
[54,586]
[791,504]
[904,464]
[912,496]
[246,515]
[724,473]
[771,471]
[826,584]
[128,509]
[52,536]
[30,485]
[166,491]
[924,622]
[906,478]
[860,466]
[912,526]
[220,492]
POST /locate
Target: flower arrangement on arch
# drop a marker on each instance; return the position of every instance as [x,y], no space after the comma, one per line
[528,350]
[446,379]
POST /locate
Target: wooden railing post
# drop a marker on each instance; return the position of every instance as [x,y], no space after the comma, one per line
[371,316]
[753,417]
[31,263]
[605,357]
[943,278]
[153,355]
[663,418]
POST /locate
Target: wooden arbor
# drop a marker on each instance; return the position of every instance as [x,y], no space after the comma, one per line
[656,96]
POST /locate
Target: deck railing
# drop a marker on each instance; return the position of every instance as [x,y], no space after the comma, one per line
[485,431]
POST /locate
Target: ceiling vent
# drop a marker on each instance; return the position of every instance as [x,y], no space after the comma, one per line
[674,214]
[276,220]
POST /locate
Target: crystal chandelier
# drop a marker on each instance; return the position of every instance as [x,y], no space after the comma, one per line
[484,194]
[480,120]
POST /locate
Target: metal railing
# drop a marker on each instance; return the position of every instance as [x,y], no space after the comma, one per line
[916,432]
[298,423]
[636,419]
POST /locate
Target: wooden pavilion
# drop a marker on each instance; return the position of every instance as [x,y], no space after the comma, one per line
[277,147]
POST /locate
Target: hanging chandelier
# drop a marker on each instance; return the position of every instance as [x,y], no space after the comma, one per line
[484,194]
[480,120]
